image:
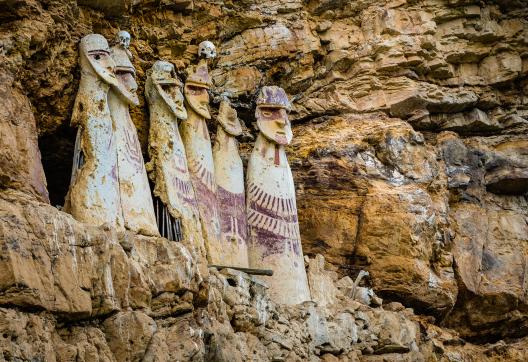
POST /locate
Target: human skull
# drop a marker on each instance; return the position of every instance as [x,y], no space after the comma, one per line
[207,50]
[123,38]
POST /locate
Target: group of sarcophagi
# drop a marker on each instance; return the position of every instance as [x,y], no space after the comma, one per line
[199,194]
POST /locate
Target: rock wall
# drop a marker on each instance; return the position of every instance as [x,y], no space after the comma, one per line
[72,292]
[410,157]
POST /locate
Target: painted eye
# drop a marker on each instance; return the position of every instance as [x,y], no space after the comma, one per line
[97,57]
[267,113]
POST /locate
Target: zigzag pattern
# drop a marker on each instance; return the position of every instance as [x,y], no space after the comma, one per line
[277,205]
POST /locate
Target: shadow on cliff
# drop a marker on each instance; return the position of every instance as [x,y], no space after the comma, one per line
[57,157]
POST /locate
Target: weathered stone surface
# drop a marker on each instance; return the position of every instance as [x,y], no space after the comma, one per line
[129,334]
[365,78]
[274,41]
[507,168]
[20,165]
[489,252]
[50,261]
[402,257]
[392,227]
[25,336]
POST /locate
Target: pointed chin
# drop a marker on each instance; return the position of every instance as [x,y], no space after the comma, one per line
[204,112]
[232,128]
[172,97]
[280,135]
[127,96]
[282,139]
[127,87]
[200,108]
[180,112]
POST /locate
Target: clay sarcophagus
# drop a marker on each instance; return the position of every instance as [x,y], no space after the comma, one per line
[134,190]
[229,174]
[274,238]
[197,142]
[109,183]
[175,202]
[93,196]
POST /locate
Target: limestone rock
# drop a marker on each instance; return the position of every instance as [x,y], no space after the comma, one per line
[81,271]
[322,287]
[393,270]
[20,165]
[82,343]
[409,162]
[130,334]
[270,42]
[489,253]
[25,336]
[507,168]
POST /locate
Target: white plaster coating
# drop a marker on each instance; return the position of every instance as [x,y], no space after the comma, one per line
[168,167]
[229,174]
[134,190]
[274,238]
[196,140]
[93,196]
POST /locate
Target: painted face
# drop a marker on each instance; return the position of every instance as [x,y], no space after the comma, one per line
[198,99]
[227,117]
[127,86]
[274,124]
[103,64]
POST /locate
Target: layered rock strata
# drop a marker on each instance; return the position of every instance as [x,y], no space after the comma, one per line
[409,160]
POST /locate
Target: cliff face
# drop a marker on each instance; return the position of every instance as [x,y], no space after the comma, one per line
[410,158]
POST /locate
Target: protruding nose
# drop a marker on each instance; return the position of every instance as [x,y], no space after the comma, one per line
[133,85]
[111,64]
[280,121]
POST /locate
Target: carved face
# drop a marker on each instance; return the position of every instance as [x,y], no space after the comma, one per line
[103,65]
[168,87]
[127,86]
[227,117]
[123,38]
[274,124]
[94,49]
[198,99]
[207,50]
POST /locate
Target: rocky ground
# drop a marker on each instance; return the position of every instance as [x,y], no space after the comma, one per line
[410,158]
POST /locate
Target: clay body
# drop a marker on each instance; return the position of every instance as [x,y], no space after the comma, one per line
[93,196]
[274,238]
[229,174]
[196,140]
[168,160]
[134,190]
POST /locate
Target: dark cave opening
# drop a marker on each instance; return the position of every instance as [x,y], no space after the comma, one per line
[57,158]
